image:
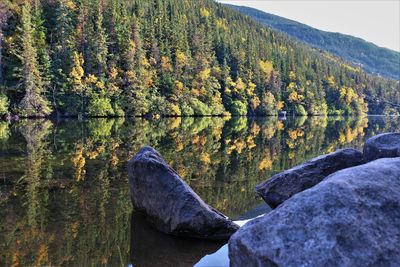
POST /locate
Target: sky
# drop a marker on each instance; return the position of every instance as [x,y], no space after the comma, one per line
[376,21]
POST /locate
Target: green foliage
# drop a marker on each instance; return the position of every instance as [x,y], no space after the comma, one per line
[318,109]
[4,131]
[100,107]
[268,106]
[100,129]
[187,110]
[173,110]
[238,108]
[33,104]
[199,108]
[335,112]
[391,111]
[158,105]
[299,110]
[3,105]
[118,111]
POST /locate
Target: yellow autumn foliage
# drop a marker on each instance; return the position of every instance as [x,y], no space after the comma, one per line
[280,105]
[222,24]
[292,76]
[205,74]
[295,97]
[43,255]
[79,163]
[204,12]
[165,64]
[181,59]
[266,68]
[331,81]
[240,85]
[265,164]
[77,73]
[205,158]
[179,146]
[280,126]
[70,4]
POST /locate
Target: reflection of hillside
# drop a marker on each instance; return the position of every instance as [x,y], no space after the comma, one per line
[66,196]
[82,235]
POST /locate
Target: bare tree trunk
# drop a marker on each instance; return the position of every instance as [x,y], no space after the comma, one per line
[54,100]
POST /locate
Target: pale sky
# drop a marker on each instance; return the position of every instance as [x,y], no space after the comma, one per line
[376,21]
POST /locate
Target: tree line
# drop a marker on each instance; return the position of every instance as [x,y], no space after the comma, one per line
[168,58]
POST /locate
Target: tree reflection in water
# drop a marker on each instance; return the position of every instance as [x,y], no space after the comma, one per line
[64,196]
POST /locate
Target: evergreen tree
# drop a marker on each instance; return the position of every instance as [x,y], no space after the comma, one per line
[4,14]
[63,45]
[33,103]
[97,41]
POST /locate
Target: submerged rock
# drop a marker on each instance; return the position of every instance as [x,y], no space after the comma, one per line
[385,145]
[169,203]
[352,218]
[284,185]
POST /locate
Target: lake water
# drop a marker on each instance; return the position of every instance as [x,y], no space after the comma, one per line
[64,197]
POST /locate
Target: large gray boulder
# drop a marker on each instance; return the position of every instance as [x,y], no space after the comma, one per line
[169,203]
[385,145]
[284,185]
[352,218]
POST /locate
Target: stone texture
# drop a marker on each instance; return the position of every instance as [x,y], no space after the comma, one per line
[385,145]
[169,203]
[284,185]
[352,218]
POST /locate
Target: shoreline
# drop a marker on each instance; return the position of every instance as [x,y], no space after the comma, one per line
[12,118]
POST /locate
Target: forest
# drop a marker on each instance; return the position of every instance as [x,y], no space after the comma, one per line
[371,58]
[104,58]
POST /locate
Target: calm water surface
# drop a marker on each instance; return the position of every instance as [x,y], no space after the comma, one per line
[64,197]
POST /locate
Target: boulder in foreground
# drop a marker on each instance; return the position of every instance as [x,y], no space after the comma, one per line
[284,185]
[352,218]
[169,203]
[385,145]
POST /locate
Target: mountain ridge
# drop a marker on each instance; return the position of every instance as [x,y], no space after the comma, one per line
[380,61]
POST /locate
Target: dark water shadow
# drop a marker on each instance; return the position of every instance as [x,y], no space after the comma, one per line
[254,212]
[150,247]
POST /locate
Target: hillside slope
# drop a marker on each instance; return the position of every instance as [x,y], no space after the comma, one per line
[372,58]
[171,58]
